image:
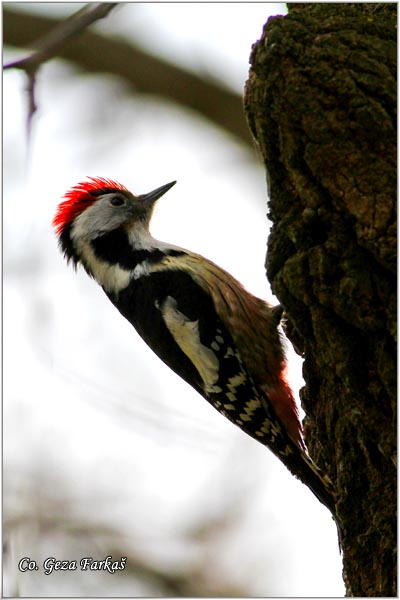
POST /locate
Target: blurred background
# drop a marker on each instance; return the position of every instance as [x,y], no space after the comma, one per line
[106,451]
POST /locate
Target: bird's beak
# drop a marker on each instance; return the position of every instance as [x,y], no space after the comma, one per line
[151,197]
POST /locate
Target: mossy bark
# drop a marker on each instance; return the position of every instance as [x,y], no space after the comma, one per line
[321,103]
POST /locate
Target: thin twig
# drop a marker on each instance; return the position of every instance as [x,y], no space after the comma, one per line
[48,46]
[142,72]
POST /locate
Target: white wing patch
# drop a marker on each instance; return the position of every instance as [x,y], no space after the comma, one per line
[143,269]
[187,336]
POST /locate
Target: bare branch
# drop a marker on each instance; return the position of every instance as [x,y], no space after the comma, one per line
[32,106]
[49,45]
[147,74]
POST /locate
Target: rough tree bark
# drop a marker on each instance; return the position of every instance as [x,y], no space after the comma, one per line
[321,103]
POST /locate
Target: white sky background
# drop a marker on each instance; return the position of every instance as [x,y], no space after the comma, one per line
[96,429]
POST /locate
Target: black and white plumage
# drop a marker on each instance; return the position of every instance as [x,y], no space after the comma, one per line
[197,318]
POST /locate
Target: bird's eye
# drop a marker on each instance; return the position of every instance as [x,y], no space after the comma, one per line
[117,201]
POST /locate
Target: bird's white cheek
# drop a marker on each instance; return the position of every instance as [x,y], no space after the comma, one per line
[112,278]
[96,220]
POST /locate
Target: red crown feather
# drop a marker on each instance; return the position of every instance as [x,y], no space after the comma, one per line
[80,197]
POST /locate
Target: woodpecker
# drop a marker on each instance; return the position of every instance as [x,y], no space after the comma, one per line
[196,317]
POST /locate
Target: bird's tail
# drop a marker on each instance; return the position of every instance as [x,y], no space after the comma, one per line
[319,483]
[322,487]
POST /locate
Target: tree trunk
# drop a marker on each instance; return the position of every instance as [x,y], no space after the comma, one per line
[321,103]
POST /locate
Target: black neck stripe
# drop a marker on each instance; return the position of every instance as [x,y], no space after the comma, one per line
[114,248]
